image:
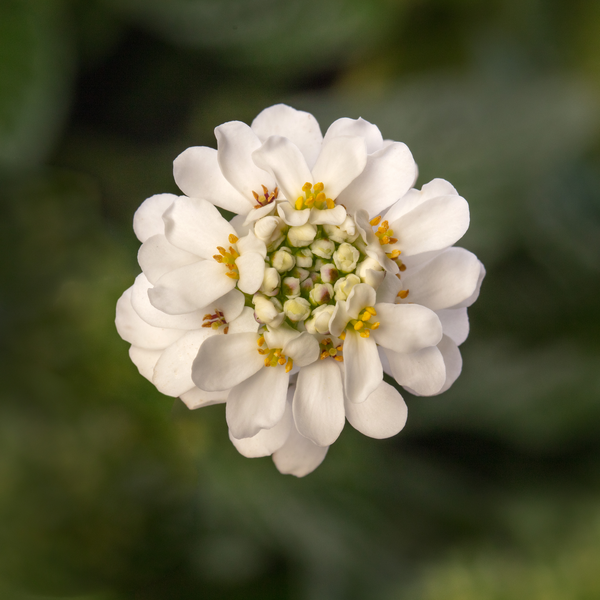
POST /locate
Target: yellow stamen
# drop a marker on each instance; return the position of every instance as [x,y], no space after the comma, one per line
[218,258]
[233,275]
[365,316]
[393,254]
[299,203]
[222,250]
[402,294]
[330,203]
[318,187]
[402,267]
[375,221]
[261,340]
[385,240]
[371,310]
[365,333]
[358,325]
[289,366]
[306,187]
[342,336]
[339,358]
[281,360]
[375,326]
[232,238]
[255,195]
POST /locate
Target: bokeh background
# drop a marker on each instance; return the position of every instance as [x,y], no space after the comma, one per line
[111,491]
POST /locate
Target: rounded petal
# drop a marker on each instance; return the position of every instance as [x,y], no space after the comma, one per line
[339,318]
[303,349]
[158,256]
[452,360]
[363,371]
[341,161]
[475,294]
[423,372]
[433,225]
[250,243]
[236,142]
[298,126]
[198,175]
[284,160]
[191,287]
[257,213]
[328,216]
[319,402]
[357,127]
[157,318]
[360,296]
[197,398]
[413,198]
[291,216]
[144,360]
[173,371]
[406,327]
[195,225]
[147,220]
[133,329]
[252,271]
[266,441]
[382,415]
[455,323]
[224,361]
[389,173]
[298,456]
[257,402]
[389,288]
[245,322]
[445,281]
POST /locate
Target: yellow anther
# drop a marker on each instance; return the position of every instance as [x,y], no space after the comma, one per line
[385,240]
[358,325]
[318,187]
[371,310]
[375,221]
[263,351]
[299,203]
[365,333]
[218,258]
[339,358]
[393,240]
[281,360]
[393,254]
[365,316]
[289,366]
[402,294]
[342,336]
[265,190]
[330,203]
[306,187]
[321,197]
[261,340]
[233,275]
[324,355]
[267,362]
[375,326]
[310,202]
[255,195]
[234,252]
[232,238]
[339,348]
[222,250]
[226,330]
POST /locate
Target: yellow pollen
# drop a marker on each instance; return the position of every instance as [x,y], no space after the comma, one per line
[299,203]
[339,358]
[375,221]
[375,326]
[319,187]
[289,366]
[393,254]
[281,360]
[358,325]
[233,275]
[222,250]
[307,187]
[365,316]
[385,240]
[365,333]
[330,203]
[371,310]
[342,336]
[402,294]
[393,240]
[232,238]
[261,340]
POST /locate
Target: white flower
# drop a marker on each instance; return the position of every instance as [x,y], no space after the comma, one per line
[309,209]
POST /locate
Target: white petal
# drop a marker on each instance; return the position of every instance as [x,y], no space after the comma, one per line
[245,323]
[257,213]
[389,288]
[298,126]
[341,161]
[298,456]
[423,371]
[266,441]
[406,327]
[452,360]
[236,142]
[284,160]
[144,360]
[303,350]
[357,127]
[252,271]
[363,371]
[192,287]
[133,329]
[328,216]
[250,243]
[388,175]
[195,225]
[445,281]
[198,175]
[173,371]
[382,415]
[223,361]
[360,296]
[475,294]
[291,216]
[157,318]
[158,256]
[339,318]
[258,402]
[455,323]
[147,220]
[319,402]
[433,225]
[413,198]
[197,398]
[239,224]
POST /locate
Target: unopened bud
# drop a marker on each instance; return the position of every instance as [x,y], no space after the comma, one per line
[283,260]
[329,273]
[302,235]
[323,248]
[304,258]
[344,286]
[291,287]
[297,309]
[271,282]
[319,322]
[346,257]
[322,293]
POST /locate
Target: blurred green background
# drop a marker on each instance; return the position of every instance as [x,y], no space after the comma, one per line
[111,491]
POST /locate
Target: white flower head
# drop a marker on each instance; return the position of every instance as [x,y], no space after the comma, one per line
[333,270]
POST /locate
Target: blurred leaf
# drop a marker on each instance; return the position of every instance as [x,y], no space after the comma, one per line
[35,70]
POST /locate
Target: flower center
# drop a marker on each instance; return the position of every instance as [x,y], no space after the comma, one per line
[266,197]
[215,321]
[363,324]
[328,350]
[274,356]
[314,197]
[228,258]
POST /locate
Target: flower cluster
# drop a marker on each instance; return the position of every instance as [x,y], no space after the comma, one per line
[333,271]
